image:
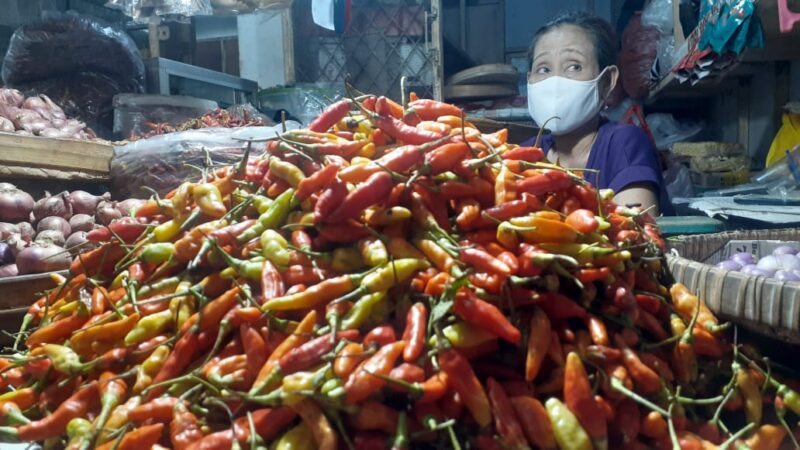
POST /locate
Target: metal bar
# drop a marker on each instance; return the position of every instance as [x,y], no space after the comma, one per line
[462,24]
[436,59]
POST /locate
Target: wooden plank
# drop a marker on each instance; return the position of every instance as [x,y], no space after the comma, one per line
[41,173]
[64,154]
[20,291]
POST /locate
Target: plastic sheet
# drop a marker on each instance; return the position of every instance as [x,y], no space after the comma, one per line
[162,162]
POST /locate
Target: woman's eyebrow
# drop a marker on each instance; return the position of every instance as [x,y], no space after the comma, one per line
[573,50]
[540,55]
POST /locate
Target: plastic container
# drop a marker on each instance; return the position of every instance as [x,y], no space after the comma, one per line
[132,112]
[787,168]
[300,103]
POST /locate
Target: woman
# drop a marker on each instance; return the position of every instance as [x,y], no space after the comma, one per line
[572,73]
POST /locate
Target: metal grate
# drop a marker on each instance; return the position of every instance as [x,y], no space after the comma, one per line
[386,39]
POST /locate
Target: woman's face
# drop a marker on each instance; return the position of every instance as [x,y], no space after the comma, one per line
[566,51]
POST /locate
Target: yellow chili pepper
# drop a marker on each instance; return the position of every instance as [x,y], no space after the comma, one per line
[149,368]
[297,438]
[373,252]
[149,327]
[286,171]
[209,200]
[382,216]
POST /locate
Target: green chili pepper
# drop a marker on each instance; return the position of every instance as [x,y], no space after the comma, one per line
[78,428]
[275,215]
[149,368]
[568,431]
[64,359]
[362,310]
[374,252]
[298,438]
[149,327]
[346,260]
[158,253]
[274,247]
[791,398]
[261,203]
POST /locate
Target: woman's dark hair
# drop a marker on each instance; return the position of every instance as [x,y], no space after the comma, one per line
[600,31]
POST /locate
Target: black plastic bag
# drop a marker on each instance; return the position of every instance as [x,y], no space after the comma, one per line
[67,43]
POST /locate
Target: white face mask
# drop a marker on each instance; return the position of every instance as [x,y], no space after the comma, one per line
[570,103]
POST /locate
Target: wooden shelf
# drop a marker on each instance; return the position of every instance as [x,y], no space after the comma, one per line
[670,88]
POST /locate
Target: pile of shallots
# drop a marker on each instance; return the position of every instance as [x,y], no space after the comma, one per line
[43,235]
[38,116]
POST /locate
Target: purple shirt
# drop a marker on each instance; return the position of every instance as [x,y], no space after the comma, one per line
[623,155]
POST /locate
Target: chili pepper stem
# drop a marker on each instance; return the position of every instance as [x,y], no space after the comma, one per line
[789,431]
[26,321]
[746,429]
[673,434]
[617,385]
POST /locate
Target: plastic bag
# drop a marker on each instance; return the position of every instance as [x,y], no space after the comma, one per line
[66,44]
[678,182]
[639,50]
[658,14]
[133,112]
[788,137]
[667,131]
[161,162]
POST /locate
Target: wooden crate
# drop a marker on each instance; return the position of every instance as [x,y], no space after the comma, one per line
[45,158]
[16,295]
[766,305]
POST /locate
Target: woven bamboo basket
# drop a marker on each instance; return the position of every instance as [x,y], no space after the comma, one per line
[765,305]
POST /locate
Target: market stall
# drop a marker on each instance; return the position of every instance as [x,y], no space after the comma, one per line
[380,242]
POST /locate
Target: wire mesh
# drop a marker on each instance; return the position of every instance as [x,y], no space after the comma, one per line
[385,40]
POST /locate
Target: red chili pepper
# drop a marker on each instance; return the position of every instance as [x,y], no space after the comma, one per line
[227,235]
[316,181]
[362,383]
[56,331]
[435,204]
[329,200]
[587,276]
[138,438]
[388,107]
[186,348]
[255,347]
[586,195]
[344,232]
[560,307]
[309,354]
[427,109]
[374,416]
[409,373]
[626,423]
[505,418]
[648,303]
[579,398]
[538,343]
[99,261]
[414,334]
[158,410]
[184,429]
[550,180]
[268,424]
[484,262]
[401,131]
[464,382]
[54,424]
[380,336]
[127,229]
[332,114]
[529,154]
[271,281]
[645,379]
[374,190]
[582,220]
[444,158]
[485,315]
[535,422]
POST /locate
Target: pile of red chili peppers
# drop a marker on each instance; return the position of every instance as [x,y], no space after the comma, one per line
[390,277]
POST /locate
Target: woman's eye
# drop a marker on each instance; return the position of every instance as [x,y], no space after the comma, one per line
[543,70]
[574,68]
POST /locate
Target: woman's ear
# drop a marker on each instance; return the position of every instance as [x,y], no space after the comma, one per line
[609,81]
